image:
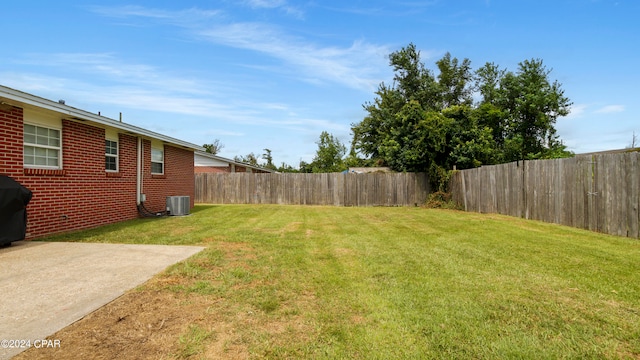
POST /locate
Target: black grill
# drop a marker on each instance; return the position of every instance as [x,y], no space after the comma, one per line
[13,210]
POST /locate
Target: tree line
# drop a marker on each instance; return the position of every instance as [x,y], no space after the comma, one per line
[328,158]
[459,117]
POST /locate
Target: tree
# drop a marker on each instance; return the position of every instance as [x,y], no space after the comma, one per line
[286,168]
[329,156]
[214,148]
[414,81]
[254,160]
[416,139]
[487,80]
[354,160]
[405,127]
[634,141]
[305,167]
[533,104]
[488,113]
[371,131]
[427,123]
[454,81]
[267,156]
[471,143]
[250,159]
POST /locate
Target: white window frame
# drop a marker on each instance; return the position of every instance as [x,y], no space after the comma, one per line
[47,147]
[115,156]
[157,150]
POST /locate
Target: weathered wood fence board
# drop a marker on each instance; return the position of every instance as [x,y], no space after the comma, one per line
[376,189]
[598,192]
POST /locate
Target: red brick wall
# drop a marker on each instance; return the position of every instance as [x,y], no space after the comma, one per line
[11,129]
[212,169]
[83,195]
[178,178]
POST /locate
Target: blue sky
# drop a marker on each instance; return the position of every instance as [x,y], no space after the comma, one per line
[274,74]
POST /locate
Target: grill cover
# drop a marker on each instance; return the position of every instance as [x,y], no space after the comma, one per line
[13,210]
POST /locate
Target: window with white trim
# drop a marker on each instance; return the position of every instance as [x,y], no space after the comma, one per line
[110,155]
[157,161]
[42,147]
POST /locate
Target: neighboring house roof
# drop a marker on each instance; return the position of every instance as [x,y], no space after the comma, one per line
[202,158]
[366,170]
[615,151]
[15,97]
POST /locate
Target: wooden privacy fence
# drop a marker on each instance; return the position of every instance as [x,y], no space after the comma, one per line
[339,189]
[598,192]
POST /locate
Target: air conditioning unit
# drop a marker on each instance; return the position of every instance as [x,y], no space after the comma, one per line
[178,205]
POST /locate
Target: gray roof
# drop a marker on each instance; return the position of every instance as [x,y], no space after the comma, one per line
[230,161]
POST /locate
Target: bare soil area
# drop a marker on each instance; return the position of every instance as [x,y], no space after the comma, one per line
[145,324]
[162,320]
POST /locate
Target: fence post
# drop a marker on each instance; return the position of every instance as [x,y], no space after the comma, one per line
[464,190]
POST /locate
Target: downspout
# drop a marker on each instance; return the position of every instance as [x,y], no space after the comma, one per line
[139,173]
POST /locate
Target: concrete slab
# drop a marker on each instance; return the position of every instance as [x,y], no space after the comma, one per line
[45,287]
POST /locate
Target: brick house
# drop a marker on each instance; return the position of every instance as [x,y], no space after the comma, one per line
[86,170]
[205,162]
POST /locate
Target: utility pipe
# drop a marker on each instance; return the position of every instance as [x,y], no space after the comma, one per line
[139,173]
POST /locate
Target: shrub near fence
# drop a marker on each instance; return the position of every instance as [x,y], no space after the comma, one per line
[339,189]
[599,192]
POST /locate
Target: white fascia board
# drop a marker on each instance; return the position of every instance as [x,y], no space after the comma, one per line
[78,114]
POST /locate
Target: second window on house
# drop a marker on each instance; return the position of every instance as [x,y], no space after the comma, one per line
[157,161]
[111,155]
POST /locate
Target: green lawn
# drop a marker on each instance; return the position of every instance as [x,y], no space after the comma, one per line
[383,283]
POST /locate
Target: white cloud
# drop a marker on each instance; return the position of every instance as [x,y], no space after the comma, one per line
[180,17]
[266,3]
[355,66]
[577,111]
[107,67]
[610,109]
[130,10]
[581,110]
[276,4]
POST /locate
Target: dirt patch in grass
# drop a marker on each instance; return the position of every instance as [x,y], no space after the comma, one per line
[144,324]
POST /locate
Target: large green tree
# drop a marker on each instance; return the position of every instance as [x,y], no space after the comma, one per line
[431,123]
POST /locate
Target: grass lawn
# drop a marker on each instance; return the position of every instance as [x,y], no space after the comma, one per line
[384,283]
